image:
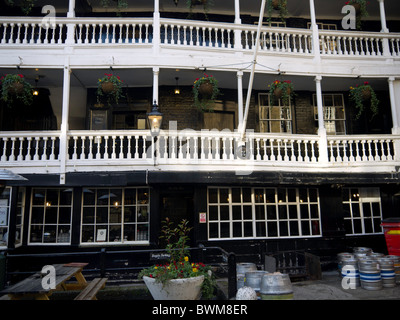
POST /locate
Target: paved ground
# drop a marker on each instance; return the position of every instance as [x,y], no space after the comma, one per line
[330,288]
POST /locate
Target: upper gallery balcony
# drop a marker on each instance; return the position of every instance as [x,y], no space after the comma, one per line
[169,29]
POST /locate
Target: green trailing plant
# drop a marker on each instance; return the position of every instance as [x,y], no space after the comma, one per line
[109,87]
[121,5]
[277,5]
[207,4]
[205,91]
[283,90]
[14,88]
[25,5]
[179,265]
[362,95]
[361,10]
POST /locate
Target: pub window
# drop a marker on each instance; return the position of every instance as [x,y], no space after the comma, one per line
[20,216]
[274,118]
[334,113]
[237,213]
[362,210]
[50,216]
[5,199]
[115,215]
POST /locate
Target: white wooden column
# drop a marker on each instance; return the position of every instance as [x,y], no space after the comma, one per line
[64,122]
[156,72]
[71,9]
[323,143]
[240,97]
[383,15]
[237,32]
[156,28]
[315,33]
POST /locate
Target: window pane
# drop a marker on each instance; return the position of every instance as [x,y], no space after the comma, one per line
[246,194]
[272,229]
[66,197]
[37,215]
[294,228]
[102,197]
[213,213]
[248,229]
[213,195]
[130,214]
[89,196]
[259,195]
[282,212]
[270,195]
[260,212]
[271,212]
[355,209]
[129,232]
[283,229]
[247,213]
[305,228]
[102,215]
[260,229]
[236,212]
[237,229]
[224,213]
[64,215]
[130,196]
[224,196]
[38,196]
[236,198]
[225,230]
[88,215]
[143,196]
[213,230]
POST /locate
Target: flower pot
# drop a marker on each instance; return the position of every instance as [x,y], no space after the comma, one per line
[175,289]
[275,4]
[108,87]
[357,6]
[17,88]
[206,89]
[366,94]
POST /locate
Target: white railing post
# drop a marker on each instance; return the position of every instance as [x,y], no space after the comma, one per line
[315,34]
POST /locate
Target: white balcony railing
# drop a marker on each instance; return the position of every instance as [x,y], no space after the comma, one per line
[39,152]
[24,32]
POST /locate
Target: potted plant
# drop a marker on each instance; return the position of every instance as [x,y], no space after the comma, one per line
[281,90]
[364,94]
[14,88]
[205,91]
[110,87]
[361,10]
[277,5]
[178,279]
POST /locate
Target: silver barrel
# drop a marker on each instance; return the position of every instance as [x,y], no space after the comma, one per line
[387,272]
[276,286]
[253,280]
[370,274]
[241,269]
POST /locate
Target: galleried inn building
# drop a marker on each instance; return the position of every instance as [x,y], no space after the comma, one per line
[253,171]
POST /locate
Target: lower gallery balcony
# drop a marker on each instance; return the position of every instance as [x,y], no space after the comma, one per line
[190,150]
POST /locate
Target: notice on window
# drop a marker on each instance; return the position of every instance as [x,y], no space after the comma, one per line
[101,235]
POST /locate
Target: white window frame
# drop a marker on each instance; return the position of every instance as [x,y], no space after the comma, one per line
[357,198]
[19,224]
[298,219]
[330,119]
[140,208]
[269,121]
[45,205]
[5,205]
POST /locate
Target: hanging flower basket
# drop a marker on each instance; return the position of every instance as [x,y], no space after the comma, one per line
[281,90]
[360,7]
[110,88]
[277,5]
[205,91]
[14,88]
[362,96]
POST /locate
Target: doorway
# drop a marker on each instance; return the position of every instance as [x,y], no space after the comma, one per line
[177,203]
